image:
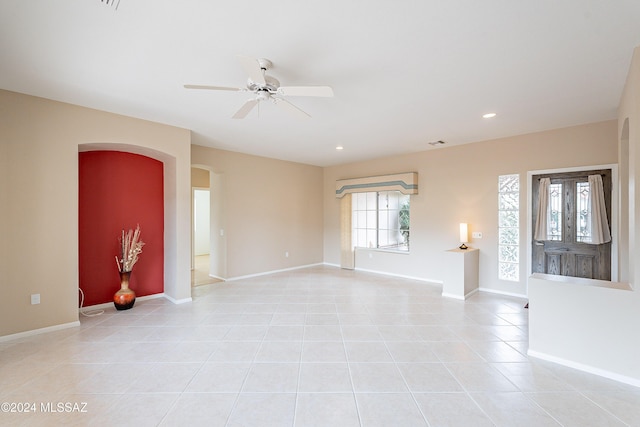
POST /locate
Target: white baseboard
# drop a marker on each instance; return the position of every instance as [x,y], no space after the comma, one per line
[265,273]
[473,292]
[177,301]
[454,296]
[460,297]
[39,331]
[585,368]
[508,294]
[110,304]
[330,264]
[96,307]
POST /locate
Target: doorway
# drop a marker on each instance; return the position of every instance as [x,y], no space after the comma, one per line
[566,250]
[208,248]
[201,236]
[201,228]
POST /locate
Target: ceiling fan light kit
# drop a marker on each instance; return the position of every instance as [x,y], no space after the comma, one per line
[265,88]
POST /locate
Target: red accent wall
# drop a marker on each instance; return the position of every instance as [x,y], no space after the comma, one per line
[119,190]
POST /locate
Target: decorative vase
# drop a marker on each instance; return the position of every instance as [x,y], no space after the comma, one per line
[125,297]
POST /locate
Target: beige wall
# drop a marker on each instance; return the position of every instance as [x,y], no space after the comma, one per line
[200,178]
[39,211]
[270,207]
[459,184]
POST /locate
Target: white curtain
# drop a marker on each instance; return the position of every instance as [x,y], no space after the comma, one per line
[542,219]
[599,223]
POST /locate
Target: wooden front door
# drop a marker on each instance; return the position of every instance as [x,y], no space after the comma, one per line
[564,252]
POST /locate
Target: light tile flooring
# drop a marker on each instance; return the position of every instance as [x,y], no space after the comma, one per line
[200,272]
[313,347]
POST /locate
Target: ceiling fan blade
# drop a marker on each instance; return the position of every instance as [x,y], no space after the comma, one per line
[251,66]
[325,91]
[246,109]
[235,89]
[290,108]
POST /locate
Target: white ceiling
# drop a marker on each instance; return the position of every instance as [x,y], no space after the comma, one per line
[404,72]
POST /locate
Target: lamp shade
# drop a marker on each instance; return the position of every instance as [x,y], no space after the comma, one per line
[464,232]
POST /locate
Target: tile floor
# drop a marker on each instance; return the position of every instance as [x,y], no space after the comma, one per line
[313,347]
[200,273]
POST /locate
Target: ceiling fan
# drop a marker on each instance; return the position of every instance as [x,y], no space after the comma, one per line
[267,88]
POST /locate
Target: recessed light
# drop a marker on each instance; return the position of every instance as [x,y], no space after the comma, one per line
[339,147]
[488,115]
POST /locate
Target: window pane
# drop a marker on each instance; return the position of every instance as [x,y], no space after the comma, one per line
[371,219]
[383,238]
[508,227]
[554,226]
[508,183]
[508,271]
[383,202]
[371,201]
[393,199]
[372,238]
[396,237]
[383,220]
[508,253]
[508,219]
[508,236]
[404,219]
[394,220]
[583,212]
[362,219]
[509,201]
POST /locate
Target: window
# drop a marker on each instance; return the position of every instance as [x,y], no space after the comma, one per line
[508,227]
[583,212]
[381,220]
[554,228]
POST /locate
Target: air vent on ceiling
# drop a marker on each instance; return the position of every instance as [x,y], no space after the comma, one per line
[436,143]
[111,3]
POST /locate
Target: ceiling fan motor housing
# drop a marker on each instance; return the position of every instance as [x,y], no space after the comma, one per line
[271,85]
[265,64]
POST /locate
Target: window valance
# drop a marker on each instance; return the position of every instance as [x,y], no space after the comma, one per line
[406,183]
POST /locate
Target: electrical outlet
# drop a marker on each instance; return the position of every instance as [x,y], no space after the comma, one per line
[35,299]
[476,235]
[370,255]
[286,254]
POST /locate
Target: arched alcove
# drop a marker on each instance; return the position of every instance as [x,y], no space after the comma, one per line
[174,289]
[119,191]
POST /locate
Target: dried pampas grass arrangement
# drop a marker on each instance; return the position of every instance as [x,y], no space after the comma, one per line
[130,248]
